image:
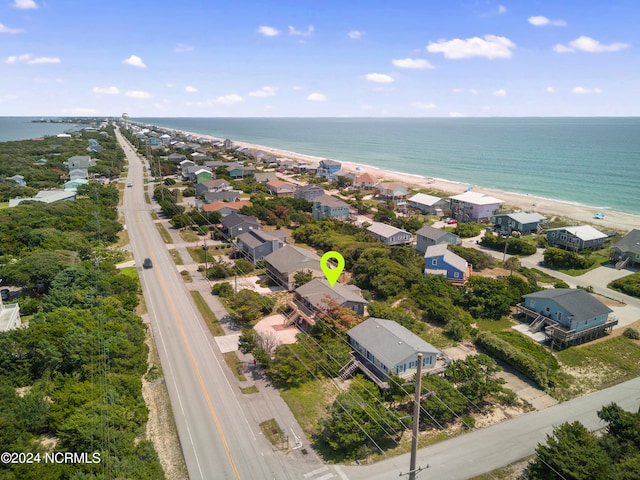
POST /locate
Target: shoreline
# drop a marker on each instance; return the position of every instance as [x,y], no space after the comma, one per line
[518,201]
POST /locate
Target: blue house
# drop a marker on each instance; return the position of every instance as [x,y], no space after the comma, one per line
[439,260]
[328,169]
[567,316]
[382,347]
[328,206]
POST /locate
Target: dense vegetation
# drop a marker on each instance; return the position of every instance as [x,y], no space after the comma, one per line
[514,245]
[574,452]
[70,381]
[629,285]
[558,258]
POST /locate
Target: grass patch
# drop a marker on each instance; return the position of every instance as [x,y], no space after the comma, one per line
[153,373]
[189,236]
[186,276]
[600,260]
[4,205]
[309,403]
[166,238]
[250,390]
[177,259]
[540,276]
[504,323]
[273,432]
[208,315]
[599,365]
[130,272]
[147,199]
[234,363]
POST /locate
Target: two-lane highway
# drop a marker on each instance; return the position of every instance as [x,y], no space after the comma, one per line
[218,441]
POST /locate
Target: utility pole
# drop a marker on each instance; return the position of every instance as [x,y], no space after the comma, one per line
[416,420]
[206,263]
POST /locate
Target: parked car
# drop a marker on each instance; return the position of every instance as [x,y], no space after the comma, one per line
[147,263]
[451,221]
[4,293]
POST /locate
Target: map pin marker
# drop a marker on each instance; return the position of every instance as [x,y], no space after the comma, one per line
[332,274]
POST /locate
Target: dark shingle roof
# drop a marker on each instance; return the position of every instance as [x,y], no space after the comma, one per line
[579,303]
[630,242]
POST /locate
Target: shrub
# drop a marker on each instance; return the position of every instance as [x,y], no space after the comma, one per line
[629,285]
[467,230]
[223,289]
[515,246]
[631,334]
[559,258]
[478,259]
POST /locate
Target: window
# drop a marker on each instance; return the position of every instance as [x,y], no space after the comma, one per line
[355,308]
[456,274]
[434,261]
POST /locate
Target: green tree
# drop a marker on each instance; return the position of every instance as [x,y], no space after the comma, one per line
[571,452]
[302,277]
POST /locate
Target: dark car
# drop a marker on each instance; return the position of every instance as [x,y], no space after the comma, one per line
[147,263]
[4,293]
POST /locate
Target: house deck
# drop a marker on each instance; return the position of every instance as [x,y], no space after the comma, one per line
[559,334]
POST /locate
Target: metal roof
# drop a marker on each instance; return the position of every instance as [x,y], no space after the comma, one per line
[577,302]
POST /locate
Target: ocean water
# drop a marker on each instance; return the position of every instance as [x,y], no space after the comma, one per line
[589,161]
[22,128]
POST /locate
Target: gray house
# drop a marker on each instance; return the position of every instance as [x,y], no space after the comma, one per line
[212,186]
[428,203]
[285,262]
[309,192]
[327,206]
[257,244]
[568,316]
[388,234]
[522,222]
[230,196]
[318,296]
[9,316]
[382,347]
[627,250]
[235,224]
[577,238]
[428,236]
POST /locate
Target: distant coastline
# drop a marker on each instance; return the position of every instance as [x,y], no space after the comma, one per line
[582,161]
[546,206]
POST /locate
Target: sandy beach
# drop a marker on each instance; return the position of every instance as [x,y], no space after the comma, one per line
[582,214]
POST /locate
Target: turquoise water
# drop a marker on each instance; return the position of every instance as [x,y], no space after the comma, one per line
[22,128]
[590,161]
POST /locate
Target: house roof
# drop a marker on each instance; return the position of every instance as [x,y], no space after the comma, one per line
[630,242]
[433,233]
[328,162]
[389,341]
[218,205]
[228,196]
[291,259]
[579,303]
[449,257]
[583,232]
[476,198]
[424,199]
[310,187]
[279,184]
[329,201]
[264,176]
[255,238]
[523,217]
[216,182]
[235,219]
[317,290]
[395,186]
[365,178]
[384,230]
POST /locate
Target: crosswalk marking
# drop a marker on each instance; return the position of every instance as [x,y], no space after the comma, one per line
[316,472]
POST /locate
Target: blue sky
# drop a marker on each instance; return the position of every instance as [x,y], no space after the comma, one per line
[435,58]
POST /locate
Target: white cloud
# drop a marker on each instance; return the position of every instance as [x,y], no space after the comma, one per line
[317,97]
[201,104]
[424,106]
[588,44]
[502,9]
[500,93]
[550,90]
[264,92]
[417,63]
[25,4]
[40,60]
[5,29]
[140,94]
[541,21]
[181,48]
[355,34]
[585,91]
[490,46]
[190,89]
[169,85]
[268,31]
[474,91]
[135,61]
[27,58]
[299,33]
[230,99]
[106,90]
[379,78]
[297,88]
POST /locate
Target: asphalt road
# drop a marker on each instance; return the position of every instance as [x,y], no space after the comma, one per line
[489,448]
[218,440]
